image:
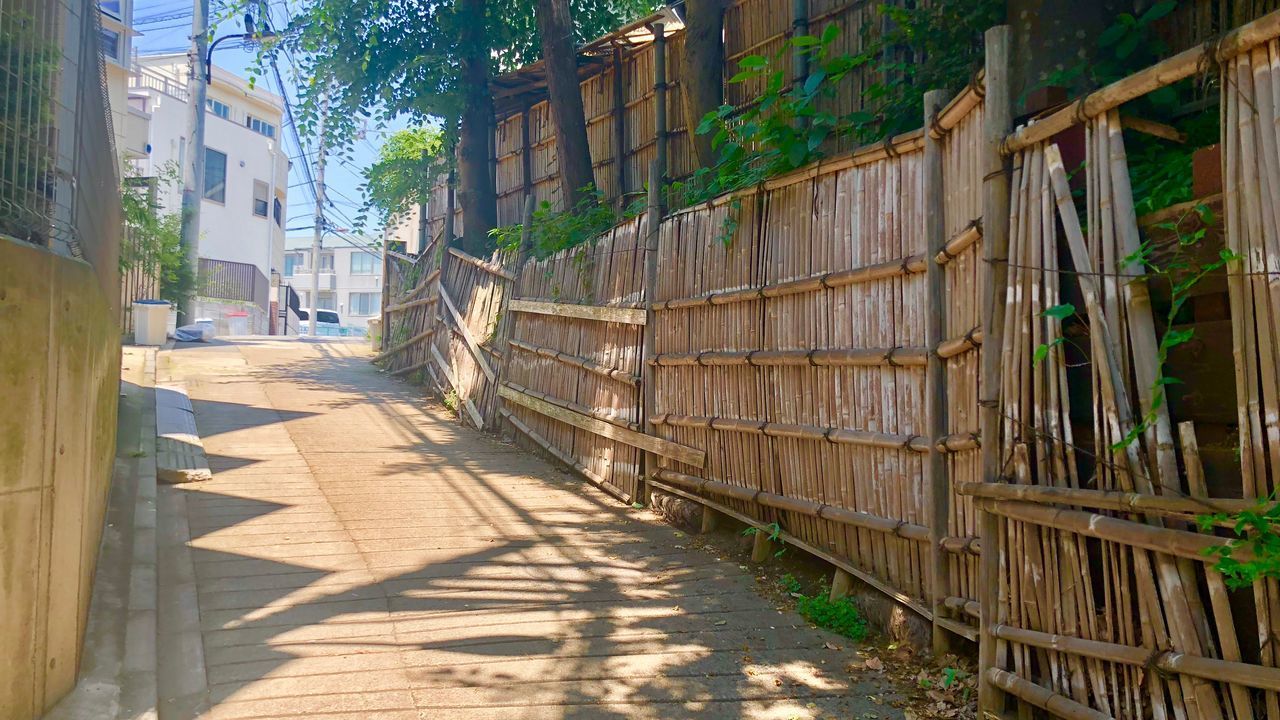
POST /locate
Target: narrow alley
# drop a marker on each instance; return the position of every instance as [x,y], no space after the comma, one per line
[358,554]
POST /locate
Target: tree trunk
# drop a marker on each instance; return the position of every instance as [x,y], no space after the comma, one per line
[702,67]
[555,26]
[477,194]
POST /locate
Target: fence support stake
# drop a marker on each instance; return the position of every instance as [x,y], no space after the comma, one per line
[761,546]
[710,520]
[619,128]
[997,119]
[937,487]
[841,583]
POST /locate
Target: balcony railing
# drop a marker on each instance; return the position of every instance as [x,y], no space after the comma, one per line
[144,78]
[226,280]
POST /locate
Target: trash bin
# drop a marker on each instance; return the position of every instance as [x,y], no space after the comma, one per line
[375,333]
[150,321]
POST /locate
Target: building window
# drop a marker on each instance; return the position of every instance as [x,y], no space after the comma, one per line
[364,304]
[278,211]
[220,109]
[259,198]
[326,263]
[110,44]
[111,7]
[215,175]
[262,127]
[362,263]
[292,261]
[324,301]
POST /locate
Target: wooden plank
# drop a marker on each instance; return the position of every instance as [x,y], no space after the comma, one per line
[629,316]
[453,380]
[472,345]
[484,265]
[666,448]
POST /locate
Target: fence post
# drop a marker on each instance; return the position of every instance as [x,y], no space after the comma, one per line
[660,99]
[653,224]
[799,27]
[386,300]
[619,128]
[526,160]
[937,486]
[997,121]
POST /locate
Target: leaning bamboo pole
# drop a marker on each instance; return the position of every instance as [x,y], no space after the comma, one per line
[997,119]
[1179,67]
[937,485]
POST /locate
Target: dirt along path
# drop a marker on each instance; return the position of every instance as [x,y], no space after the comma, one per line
[358,554]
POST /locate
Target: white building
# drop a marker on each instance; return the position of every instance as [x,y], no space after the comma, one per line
[350,278]
[127,121]
[246,182]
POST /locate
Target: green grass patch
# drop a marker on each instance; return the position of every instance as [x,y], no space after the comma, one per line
[839,616]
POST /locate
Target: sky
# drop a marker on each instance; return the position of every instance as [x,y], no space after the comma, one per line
[165,27]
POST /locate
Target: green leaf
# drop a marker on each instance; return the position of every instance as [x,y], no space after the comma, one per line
[1157,11]
[830,33]
[1112,35]
[743,76]
[1060,312]
[804,41]
[752,61]
[814,81]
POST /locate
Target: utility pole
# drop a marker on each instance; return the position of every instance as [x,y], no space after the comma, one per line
[193,168]
[318,239]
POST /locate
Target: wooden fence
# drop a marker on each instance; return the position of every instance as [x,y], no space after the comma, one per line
[867,368]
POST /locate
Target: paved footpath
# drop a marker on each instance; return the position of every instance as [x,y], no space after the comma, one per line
[360,555]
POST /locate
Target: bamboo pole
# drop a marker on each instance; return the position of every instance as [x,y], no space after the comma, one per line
[660,101]
[812,283]
[1131,502]
[648,381]
[834,435]
[817,357]
[406,344]
[997,118]
[1166,72]
[937,490]
[1043,698]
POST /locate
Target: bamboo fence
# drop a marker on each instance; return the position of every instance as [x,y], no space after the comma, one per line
[869,366]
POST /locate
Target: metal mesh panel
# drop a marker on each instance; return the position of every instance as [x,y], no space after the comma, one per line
[59,184]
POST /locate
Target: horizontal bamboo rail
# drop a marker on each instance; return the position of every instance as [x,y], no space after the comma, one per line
[484,265]
[406,344]
[666,448]
[409,368]
[1179,543]
[842,563]
[959,107]
[1043,698]
[577,361]
[959,242]
[958,545]
[969,607]
[862,357]
[563,457]
[838,436]
[412,304]
[596,413]
[959,442]
[1166,72]
[423,284]
[956,346]
[603,313]
[1172,661]
[1106,499]
[812,283]
[811,508]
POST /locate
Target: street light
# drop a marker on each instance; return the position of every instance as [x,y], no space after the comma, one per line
[251,35]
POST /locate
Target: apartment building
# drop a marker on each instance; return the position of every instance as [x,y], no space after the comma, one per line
[128,120]
[246,182]
[350,278]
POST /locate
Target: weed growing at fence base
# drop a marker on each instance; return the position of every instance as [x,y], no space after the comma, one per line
[839,616]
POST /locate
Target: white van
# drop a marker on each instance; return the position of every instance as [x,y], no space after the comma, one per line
[327,323]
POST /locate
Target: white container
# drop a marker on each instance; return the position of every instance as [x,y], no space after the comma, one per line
[150,322]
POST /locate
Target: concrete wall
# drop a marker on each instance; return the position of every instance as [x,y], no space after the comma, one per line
[59,377]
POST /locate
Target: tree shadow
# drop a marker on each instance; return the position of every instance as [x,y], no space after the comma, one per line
[490,584]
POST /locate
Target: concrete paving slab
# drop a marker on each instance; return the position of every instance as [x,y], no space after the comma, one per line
[358,555]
